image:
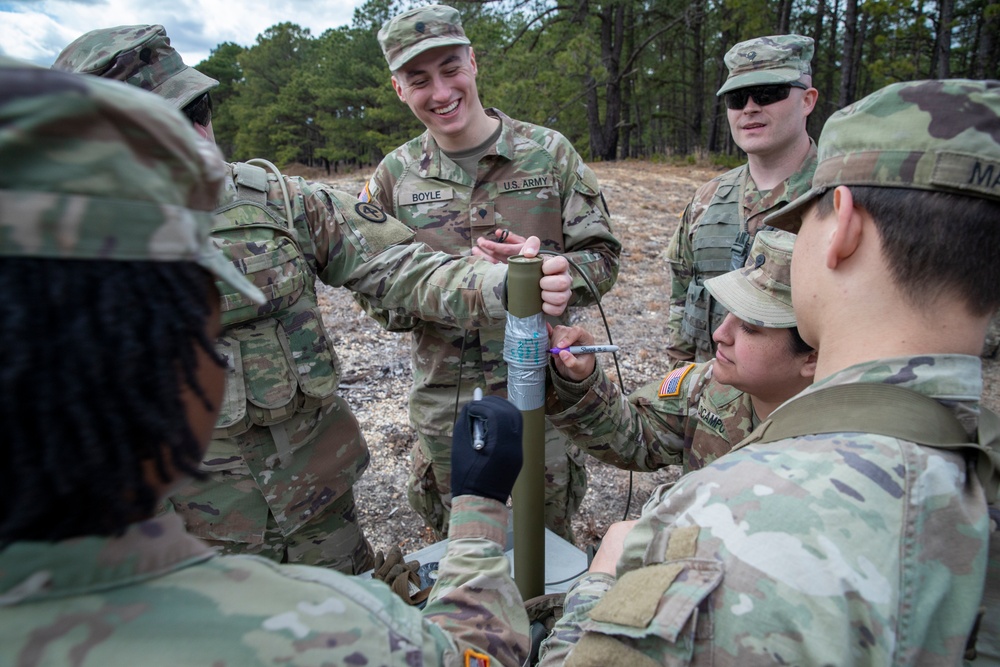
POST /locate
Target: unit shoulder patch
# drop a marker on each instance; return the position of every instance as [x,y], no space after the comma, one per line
[475,659]
[671,385]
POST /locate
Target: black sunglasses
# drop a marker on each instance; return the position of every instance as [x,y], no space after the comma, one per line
[762,95]
[199,111]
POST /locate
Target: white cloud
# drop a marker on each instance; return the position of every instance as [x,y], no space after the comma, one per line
[38,30]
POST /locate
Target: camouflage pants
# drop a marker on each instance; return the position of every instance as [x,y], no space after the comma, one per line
[334,540]
[429,482]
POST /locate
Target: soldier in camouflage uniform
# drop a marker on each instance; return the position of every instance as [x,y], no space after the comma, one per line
[478,181]
[846,545]
[769,96]
[287,449]
[106,196]
[698,411]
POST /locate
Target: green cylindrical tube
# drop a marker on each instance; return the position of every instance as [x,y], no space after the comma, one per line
[524,302]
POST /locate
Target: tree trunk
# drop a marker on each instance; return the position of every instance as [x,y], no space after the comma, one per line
[784,17]
[942,41]
[988,55]
[847,65]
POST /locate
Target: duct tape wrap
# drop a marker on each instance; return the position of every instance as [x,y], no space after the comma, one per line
[526,350]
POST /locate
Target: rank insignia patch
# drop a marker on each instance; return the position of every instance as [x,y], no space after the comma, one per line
[671,385]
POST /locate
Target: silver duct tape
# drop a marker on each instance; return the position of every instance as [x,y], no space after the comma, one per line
[526,349]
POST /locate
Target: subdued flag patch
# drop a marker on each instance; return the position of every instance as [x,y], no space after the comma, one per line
[671,385]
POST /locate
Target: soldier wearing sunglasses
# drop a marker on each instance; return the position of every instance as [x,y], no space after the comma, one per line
[768,97]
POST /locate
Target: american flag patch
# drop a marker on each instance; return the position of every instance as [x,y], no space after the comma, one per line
[476,659]
[366,194]
[671,385]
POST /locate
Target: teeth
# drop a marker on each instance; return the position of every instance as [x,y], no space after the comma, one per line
[448,109]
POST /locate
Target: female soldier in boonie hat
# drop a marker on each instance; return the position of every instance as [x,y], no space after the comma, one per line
[697,412]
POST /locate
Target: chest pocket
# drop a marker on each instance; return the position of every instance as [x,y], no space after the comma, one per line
[531,206]
[279,360]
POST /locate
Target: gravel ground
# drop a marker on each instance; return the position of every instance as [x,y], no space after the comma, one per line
[646,201]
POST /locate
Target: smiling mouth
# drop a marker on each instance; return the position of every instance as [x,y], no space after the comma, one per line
[448,109]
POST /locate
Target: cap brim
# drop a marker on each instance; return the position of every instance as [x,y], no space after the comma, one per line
[760,78]
[185,87]
[748,303]
[789,217]
[216,263]
[425,45]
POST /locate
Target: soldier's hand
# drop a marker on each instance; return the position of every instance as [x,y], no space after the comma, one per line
[507,245]
[486,449]
[573,367]
[555,283]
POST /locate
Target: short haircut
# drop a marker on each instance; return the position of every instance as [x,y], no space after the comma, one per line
[96,354]
[798,346]
[935,243]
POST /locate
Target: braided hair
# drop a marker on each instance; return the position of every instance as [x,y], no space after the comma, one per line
[94,357]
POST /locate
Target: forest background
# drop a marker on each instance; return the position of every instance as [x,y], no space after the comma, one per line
[620,78]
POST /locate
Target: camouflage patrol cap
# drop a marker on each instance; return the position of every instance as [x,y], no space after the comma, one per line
[761,292]
[139,55]
[94,170]
[407,35]
[765,60]
[941,135]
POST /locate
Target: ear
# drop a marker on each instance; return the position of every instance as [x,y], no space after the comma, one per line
[847,234]
[472,61]
[809,98]
[398,88]
[808,369]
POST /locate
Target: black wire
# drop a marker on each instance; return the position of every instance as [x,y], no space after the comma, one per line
[563,581]
[614,355]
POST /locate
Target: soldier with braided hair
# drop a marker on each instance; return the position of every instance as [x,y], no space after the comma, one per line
[112,386]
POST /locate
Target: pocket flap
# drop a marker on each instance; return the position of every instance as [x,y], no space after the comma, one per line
[687,584]
[270,382]
[234,400]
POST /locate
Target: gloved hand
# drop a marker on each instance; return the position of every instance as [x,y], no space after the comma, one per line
[401,576]
[490,471]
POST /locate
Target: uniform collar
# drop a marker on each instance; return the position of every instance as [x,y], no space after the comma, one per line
[435,164]
[31,571]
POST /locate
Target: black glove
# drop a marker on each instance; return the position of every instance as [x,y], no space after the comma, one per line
[491,470]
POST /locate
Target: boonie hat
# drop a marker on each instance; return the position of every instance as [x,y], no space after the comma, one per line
[761,292]
[140,55]
[407,35]
[768,60]
[941,135]
[94,170]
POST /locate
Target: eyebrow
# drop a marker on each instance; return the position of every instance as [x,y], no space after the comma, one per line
[409,74]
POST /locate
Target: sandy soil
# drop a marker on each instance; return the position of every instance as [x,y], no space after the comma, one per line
[646,201]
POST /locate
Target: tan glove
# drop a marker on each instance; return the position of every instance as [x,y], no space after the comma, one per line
[401,576]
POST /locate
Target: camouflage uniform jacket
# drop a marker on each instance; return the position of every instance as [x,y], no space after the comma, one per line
[282,365]
[839,549]
[158,596]
[686,418]
[701,248]
[532,182]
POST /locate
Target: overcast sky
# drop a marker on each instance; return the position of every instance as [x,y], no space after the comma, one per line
[37,30]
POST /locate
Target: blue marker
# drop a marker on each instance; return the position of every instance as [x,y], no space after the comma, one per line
[585,349]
